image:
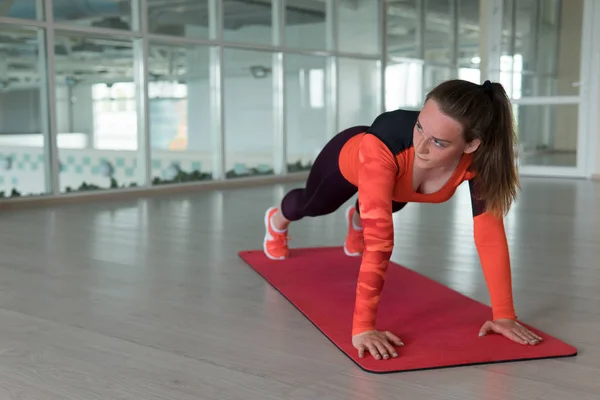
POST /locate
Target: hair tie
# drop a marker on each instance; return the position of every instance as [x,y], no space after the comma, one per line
[488,88]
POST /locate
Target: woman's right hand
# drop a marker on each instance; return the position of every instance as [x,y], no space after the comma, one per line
[378,343]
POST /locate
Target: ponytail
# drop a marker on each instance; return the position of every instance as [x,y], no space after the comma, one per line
[485,113]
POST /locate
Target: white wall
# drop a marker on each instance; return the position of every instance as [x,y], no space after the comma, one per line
[596,41]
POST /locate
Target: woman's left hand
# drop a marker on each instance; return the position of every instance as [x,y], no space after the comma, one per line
[512,330]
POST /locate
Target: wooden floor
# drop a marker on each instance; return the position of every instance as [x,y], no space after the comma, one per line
[149,300]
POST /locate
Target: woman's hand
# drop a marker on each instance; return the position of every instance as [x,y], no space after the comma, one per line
[512,330]
[379,344]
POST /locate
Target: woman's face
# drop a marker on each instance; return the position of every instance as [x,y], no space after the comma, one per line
[438,139]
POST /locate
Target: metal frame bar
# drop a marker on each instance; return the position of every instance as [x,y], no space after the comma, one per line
[382,32]
[421,28]
[543,100]
[48,93]
[493,41]
[140,62]
[217,91]
[587,101]
[455,12]
[549,171]
[593,99]
[28,22]
[420,36]
[279,87]
[182,40]
[589,89]
[513,41]
[400,60]
[559,27]
[332,65]
[536,32]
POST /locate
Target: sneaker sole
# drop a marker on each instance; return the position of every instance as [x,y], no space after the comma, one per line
[267,236]
[348,253]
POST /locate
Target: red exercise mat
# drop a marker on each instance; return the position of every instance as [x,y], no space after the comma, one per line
[438,325]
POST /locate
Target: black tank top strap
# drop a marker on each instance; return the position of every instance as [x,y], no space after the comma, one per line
[395,129]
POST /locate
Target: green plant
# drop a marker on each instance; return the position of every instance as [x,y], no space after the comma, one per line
[13,193]
[298,166]
[87,187]
[183,176]
[250,172]
[180,177]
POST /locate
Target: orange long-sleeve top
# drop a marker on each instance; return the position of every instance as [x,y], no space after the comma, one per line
[380,165]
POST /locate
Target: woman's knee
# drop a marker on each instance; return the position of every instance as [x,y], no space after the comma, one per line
[292,204]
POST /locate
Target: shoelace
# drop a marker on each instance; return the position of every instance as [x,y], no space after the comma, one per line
[281,238]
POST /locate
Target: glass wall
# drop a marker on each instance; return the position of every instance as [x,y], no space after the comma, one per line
[358,27]
[548,134]
[540,66]
[23,130]
[249,100]
[181,144]
[112,94]
[112,14]
[248,21]
[359,102]
[184,19]
[306,30]
[305,109]
[96,113]
[428,42]
[541,47]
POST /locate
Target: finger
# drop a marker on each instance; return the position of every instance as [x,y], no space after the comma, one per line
[533,334]
[390,348]
[394,339]
[381,348]
[486,328]
[373,350]
[523,335]
[361,351]
[530,337]
[515,337]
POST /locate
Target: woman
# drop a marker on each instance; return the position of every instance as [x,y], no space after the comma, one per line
[464,132]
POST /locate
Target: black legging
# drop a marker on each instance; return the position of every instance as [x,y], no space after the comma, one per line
[326,188]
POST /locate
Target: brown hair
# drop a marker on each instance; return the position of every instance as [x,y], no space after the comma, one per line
[485,112]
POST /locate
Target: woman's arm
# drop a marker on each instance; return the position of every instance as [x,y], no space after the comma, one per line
[492,246]
[376,179]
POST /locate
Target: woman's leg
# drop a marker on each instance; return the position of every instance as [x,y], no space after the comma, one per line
[325,191]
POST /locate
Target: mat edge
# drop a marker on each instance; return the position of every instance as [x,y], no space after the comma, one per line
[515,360]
